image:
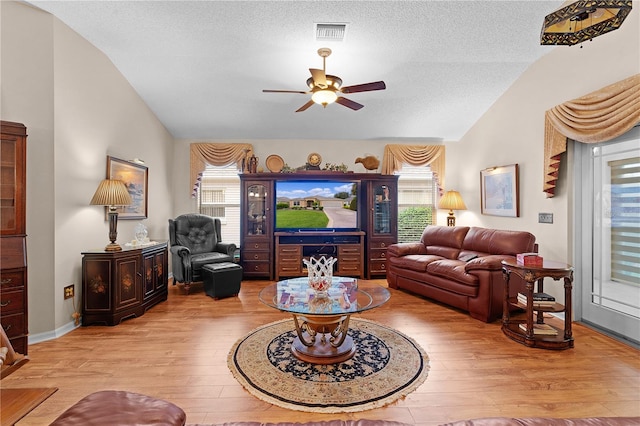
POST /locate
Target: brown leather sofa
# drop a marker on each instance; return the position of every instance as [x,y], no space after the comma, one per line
[487,421]
[459,266]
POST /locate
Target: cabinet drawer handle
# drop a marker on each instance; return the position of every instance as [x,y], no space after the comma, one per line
[3,304]
[384,255]
[6,281]
[255,256]
[383,245]
[7,327]
[256,246]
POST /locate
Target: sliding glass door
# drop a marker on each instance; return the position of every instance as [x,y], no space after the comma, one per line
[608,234]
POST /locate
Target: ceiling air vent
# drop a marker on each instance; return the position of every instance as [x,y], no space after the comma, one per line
[330,32]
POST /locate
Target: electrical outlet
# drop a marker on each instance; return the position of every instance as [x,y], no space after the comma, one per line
[545,217]
[69,291]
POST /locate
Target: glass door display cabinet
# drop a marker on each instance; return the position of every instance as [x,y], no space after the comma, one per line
[13,239]
[382,223]
[256,226]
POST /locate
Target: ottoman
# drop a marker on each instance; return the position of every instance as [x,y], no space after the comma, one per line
[121,408]
[222,279]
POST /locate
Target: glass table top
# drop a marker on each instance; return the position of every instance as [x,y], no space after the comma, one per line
[345,296]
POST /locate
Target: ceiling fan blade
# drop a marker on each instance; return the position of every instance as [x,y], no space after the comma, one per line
[305,106]
[348,103]
[284,91]
[366,87]
[319,77]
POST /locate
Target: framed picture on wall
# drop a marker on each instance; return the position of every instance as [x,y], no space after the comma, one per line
[135,178]
[499,191]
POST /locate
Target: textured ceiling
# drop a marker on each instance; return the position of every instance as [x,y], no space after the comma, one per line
[201,65]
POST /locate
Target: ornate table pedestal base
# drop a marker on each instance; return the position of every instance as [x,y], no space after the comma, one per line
[322,340]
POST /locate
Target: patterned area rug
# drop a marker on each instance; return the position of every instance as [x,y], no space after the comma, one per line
[387,366]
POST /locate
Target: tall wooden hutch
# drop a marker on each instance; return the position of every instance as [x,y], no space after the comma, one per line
[13,238]
[362,253]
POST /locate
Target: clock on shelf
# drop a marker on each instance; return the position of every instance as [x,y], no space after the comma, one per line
[314,160]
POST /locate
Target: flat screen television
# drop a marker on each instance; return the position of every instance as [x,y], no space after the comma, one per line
[316,205]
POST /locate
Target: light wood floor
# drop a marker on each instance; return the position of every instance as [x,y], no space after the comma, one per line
[178,351]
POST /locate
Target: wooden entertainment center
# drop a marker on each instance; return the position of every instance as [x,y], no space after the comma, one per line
[270,254]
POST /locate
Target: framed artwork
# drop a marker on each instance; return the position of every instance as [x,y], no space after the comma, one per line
[499,191]
[135,178]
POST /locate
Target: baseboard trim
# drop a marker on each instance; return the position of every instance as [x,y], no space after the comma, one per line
[52,335]
[61,331]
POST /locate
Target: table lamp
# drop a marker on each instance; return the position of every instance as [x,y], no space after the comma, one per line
[453,201]
[112,193]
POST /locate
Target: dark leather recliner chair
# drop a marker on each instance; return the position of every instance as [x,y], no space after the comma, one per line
[195,242]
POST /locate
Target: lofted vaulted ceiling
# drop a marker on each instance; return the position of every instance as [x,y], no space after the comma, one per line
[201,66]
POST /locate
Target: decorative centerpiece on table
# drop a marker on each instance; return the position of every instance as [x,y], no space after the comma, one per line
[141,235]
[320,272]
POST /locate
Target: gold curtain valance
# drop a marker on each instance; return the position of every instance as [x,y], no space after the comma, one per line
[597,117]
[216,154]
[416,155]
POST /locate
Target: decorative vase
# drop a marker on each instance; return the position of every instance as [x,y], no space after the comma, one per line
[320,272]
[141,233]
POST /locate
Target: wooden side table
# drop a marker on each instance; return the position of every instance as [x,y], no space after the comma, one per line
[532,275]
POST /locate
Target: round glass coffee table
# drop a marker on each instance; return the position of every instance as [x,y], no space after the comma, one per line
[322,321]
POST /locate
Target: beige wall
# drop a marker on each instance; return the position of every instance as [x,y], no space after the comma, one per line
[78,109]
[512,131]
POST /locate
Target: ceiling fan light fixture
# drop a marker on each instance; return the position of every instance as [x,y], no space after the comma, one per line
[324,97]
[333,83]
[579,21]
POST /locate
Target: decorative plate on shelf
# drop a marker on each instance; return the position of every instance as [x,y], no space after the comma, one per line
[314,159]
[274,163]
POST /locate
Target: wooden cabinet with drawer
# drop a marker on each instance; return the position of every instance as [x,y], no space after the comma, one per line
[117,285]
[256,224]
[378,256]
[13,308]
[350,260]
[255,257]
[289,260]
[13,240]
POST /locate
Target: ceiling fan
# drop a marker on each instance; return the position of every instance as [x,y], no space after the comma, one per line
[326,89]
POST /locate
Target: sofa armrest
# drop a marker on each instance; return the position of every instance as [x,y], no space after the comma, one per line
[404,249]
[492,262]
[227,248]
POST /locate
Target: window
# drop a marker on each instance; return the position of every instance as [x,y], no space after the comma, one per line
[219,196]
[416,201]
[625,220]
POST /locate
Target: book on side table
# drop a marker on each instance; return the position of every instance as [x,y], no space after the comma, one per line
[542,329]
[539,299]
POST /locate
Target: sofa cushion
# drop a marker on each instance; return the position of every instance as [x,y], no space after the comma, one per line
[452,269]
[497,241]
[445,241]
[414,262]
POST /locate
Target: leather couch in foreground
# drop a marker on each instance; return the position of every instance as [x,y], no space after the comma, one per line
[459,266]
[487,421]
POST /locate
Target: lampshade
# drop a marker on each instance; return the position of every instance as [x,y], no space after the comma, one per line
[452,200]
[111,192]
[578,21]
